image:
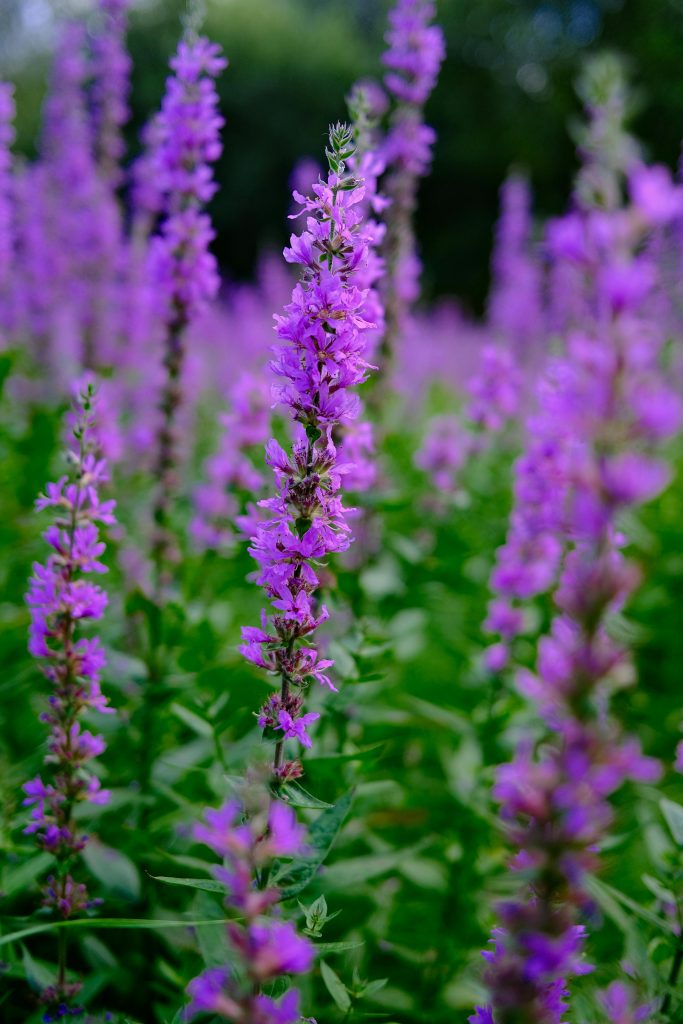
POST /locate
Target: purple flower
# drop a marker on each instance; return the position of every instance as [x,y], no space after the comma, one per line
[209,995]
[59,600]
[591,454]
[416,50]
[320,358]
[295,728]
[174,179]
[110,87]
[414,55]
[286,1011]
[7,226]
[515,310]
[249,838]
[275,948]
[618,1001]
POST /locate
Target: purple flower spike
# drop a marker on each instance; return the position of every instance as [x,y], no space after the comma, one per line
[592,454]
[6,213]
[320,359]
[248,839]
[59,600]
[415,52]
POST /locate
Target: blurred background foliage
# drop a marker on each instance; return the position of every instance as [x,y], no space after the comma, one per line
[505,98]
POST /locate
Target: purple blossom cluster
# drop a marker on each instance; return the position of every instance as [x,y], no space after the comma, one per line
[183,142]
[230,474]
[62,600]
[110,88]
[515,309]
[415,52]
[63,301]
[321,357]
[605,409]
[6,218]
[264,948]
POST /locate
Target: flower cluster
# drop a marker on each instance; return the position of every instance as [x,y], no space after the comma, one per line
[320,359]
[515,308]
[606,408]
[264,947]
[185,141]
[110,87]
[6,139]
[61,601]
[414,55]
[230,472]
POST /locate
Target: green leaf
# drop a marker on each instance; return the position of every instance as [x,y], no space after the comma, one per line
[374,986]
[658,890]
[606,895]
[362,754]
[192,720]
[297,796]
[335,987]
[17,879]
[673,815]
[113,869]
[322,948]
[294,877]
[105,923]
[37,975]
[207,884]
[360,869]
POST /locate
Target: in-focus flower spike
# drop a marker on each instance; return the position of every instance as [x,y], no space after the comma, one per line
[184,141]
[248,838]
[320,359]
[414,55]
[110,88]
[356,440]
[61,601]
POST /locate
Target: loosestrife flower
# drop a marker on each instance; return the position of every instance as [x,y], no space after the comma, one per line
[320,359]
[614,407]
[61,600]
[110,88]
[265,948]
[515,307]
[184,141]
[6,196]
[231,472]
[495,394]
[356,440]
[81,238]
[414,55]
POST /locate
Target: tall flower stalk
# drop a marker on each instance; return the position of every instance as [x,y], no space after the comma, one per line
[413,58]
[321,357]
[185,142]
[110,88]
[263,948]
[61,600]
[614,408]
[7,226]
[175,179]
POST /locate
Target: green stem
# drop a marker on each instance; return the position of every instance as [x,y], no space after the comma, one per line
[676,965]
[61,961]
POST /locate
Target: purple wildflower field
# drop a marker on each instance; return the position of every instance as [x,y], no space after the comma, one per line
[340,625]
